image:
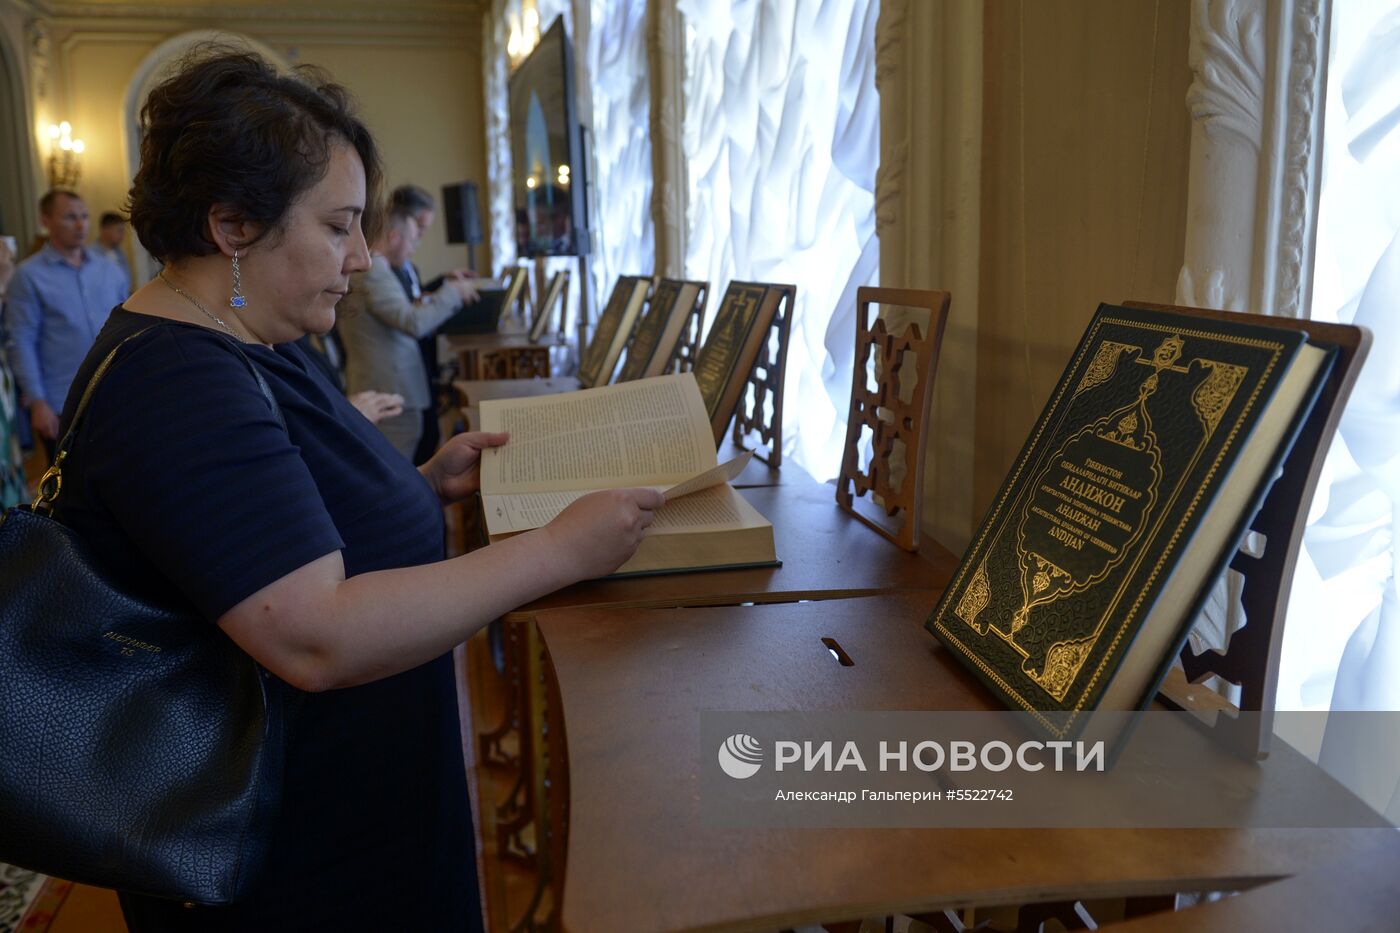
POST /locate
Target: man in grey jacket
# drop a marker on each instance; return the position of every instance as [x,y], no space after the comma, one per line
[380,328]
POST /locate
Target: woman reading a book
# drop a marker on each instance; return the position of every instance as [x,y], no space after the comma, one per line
[316,546]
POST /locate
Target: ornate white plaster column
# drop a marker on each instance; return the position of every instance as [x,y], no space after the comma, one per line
[1256,112]
[666,58]
[1256,106]
[500,214]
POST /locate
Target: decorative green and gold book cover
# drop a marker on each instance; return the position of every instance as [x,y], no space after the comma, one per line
[1140,432]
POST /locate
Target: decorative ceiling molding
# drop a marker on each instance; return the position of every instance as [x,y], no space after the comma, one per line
[453,14]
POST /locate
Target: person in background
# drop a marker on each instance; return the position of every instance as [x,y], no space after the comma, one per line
[111,230]
[380,327]
[417,203]
[58,301]
[12,488]
[325,352]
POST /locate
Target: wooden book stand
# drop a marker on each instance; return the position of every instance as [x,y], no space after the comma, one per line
[555,295]
[1252,657]
[516,295]
[888,417]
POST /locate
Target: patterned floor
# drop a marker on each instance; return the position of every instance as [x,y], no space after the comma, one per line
[28,901]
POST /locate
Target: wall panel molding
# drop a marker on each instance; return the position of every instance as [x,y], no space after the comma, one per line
[344,11]
[928,218]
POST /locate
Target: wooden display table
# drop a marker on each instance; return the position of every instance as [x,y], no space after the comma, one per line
[632,685]
[472,392]
[1356,891]
[826,554]
[503,355]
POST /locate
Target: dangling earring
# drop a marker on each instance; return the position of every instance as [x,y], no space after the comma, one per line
[237,301]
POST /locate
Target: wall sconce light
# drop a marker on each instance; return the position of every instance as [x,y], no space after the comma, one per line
[65,156]
[524,33]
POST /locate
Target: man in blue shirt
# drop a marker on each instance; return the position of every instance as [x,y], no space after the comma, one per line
[58,301]
[111,230]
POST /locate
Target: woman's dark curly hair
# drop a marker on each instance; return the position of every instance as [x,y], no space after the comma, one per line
[227,128]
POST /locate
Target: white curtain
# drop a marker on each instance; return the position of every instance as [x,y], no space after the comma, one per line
[621,87]
[1341,649]
[782,140]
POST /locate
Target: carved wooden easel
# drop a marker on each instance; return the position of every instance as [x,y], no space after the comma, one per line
[683,356]
[555,294]
[902,421]
[754,426]
[1252,657]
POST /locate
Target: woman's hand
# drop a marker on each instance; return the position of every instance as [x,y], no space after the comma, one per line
[376,406]
[455,470]
[602,530]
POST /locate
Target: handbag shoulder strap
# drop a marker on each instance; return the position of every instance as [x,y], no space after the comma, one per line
[51,484]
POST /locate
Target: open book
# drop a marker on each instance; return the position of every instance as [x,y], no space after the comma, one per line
[652,432]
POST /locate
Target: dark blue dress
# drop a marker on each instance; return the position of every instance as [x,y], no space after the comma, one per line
[183,481]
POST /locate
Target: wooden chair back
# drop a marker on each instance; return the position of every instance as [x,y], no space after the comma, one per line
[751,316]
[668,333]
[555,295]
[903,351]
[615,327]
[515,294]
[1251,659]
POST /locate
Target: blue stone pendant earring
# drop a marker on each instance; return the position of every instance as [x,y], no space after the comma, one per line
[237,301]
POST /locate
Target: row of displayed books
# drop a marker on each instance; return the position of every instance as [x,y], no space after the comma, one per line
[1131,494]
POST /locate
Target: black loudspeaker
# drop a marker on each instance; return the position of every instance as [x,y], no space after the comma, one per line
[461,213]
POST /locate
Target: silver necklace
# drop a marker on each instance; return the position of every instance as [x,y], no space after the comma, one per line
[203,310]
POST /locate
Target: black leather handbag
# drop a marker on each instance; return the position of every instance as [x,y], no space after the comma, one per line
[140,748]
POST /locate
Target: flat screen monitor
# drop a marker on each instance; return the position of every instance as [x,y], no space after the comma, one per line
[547,151]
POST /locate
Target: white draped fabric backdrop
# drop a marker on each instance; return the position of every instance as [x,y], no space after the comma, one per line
[1341,648]
[782,141]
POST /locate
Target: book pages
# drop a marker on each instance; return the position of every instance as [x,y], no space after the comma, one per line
[653,432]
[724,473]
[511,512]
[716,508]
[521,511]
